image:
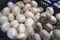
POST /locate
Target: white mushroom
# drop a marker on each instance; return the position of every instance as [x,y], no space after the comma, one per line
[0,14]
[5,27]
[40,9]
[26,1]
[16,10]
[45,16]
[51,33]
[30,31]
[27,7]
[29,22]
[58,16]
[39,26]
[12,33]
[34,10]
[20,4]
[6,11]
[50,10]
[53,20]
[29,14]
[45,34]
[3,19]
[20,18]
[34,4]
[49,26]
[36,36]
[56,34]
[37,17]
[14,23]
[10,5]
[22,36]
[10,17]
[21,28]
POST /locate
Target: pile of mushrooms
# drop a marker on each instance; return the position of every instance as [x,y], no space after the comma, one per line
[24,20]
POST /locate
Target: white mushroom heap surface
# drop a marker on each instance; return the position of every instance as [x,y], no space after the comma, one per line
[26,21]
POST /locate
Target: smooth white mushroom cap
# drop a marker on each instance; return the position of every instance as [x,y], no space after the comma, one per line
[40,9]
[29,14]
[49,26]
[6,11]
[50,10]
[37,17]
[36,36]
[16,10]
[34,4]
[27,7]
[20,18]
[39,26]
[45,34]
[3,19]
[10,17]
[22,36]
[29,22]
[5,27]
[53,20]
[34,10]
[14,23]
[21,28]
[26,1]
[56,34]
[58,16]
[12,33]
[29,31]
[20,4]
[10,5]
[0,14]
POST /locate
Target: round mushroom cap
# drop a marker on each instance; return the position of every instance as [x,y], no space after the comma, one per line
[58,16]
[56,34]
[36,36]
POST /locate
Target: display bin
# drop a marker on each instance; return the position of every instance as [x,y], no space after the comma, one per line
[46,4]
[41,3]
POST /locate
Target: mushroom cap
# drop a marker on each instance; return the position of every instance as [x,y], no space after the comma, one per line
[6,11]
[29,14]
[26,1]
[45,34]
[49,26]
[14,23]
[53,20]
[27,7]
[36,36]
[50,10]
[29,31]
[56,34]
[21,28]
[5,27]
[20,4]
[39,26]
[0,14]
[10,17]
[20,18]
[12,33]
[16,10]
[37,17]
[58,16]
[29,22]
[22,36]
[45,16]
[10,5]
[34,4]
[34,10]
[3,19]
